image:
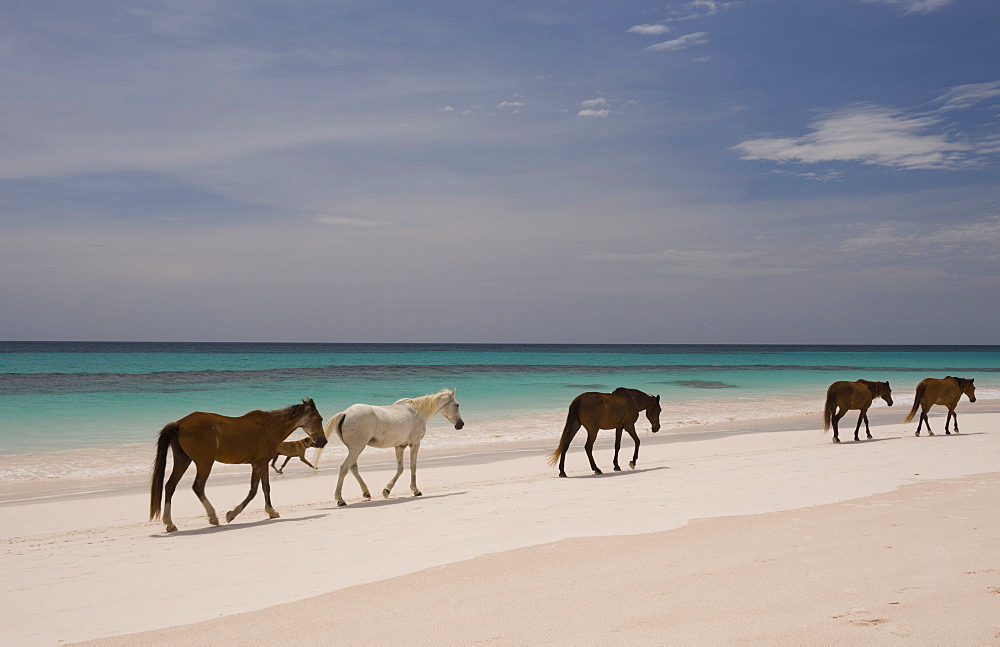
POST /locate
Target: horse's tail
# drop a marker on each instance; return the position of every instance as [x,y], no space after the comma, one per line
[168,436]
[917,398]
[572,418]
[335,423]
[829,409]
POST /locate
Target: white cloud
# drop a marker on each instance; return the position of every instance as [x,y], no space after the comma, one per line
[510,105]
[870,135]
[594,103]
[593,113]
[649,30]
[915,6]
[689,40]
[966,96]
[447,109]
[827,176]
[345,221]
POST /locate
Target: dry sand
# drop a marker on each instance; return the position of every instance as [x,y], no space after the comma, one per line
[500,550]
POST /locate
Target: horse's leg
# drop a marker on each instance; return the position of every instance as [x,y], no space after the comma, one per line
[364,486]
[954,416]
[589,446]
[635,437]
[414,448]
[352,458]
[181,462]
[924,418]
[836,421]
[863,416]
[265,485]
[618,445]
[204,468]
[947,421]
[562,457]
[254,481]
[399,470]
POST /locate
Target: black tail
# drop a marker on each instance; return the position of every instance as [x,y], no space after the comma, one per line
[168,436]
[917,399]
[829,409]
[572,423]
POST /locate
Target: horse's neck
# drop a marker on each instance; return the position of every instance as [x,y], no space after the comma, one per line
[426,406]
[640,399]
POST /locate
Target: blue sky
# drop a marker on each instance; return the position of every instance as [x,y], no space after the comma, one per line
[766,171]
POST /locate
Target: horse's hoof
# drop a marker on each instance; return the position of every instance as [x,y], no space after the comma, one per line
[418,493]
[385,493]
[367,496]
[836,440]
[562,475]
[947,433]
[617,469]
[213,520]
[631,465]
[230,516]
[341,504]
[917,434]
[171,528]
[274,514]
[598,472]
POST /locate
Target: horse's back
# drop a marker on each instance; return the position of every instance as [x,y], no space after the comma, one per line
[850,395]
[381,426]
[604,410]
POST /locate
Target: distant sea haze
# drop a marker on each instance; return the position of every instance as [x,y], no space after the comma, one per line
[64,405]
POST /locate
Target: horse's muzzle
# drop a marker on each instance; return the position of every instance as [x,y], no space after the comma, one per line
[972,399]
[656,428]
[319,444]
[459,424]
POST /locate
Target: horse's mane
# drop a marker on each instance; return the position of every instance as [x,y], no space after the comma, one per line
[962,382]
[877,388]
[427,405]
[294,411]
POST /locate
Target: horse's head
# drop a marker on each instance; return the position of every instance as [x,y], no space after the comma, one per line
[968,387]
[886,393]
[449,409]
[653,413]
[312,423]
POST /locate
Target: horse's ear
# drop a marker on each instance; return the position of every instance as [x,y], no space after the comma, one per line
[309,402]
[657,398]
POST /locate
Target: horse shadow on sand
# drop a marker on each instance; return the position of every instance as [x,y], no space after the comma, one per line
[610,474]
[378,503]
[208,530]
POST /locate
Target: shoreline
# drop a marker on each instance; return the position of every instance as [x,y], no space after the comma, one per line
[113,573]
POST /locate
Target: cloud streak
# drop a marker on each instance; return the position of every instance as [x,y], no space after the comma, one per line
[677,44]
[872,135]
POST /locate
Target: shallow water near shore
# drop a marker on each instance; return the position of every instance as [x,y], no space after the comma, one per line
[76,409]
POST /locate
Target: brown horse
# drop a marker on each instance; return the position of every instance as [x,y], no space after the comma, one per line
[290,450]
[947,392]
[852,395]
[595,411]
[208,437]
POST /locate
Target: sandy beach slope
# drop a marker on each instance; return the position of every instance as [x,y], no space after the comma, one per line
[82,563]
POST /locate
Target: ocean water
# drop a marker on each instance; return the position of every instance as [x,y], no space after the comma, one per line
[73,409]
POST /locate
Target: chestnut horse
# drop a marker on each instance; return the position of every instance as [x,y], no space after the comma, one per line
[595,411]
[208,437]
[933,391]
[852,395]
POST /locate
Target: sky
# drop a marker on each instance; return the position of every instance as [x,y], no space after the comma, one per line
[764,171]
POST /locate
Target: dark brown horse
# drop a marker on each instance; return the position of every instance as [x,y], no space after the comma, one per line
[291,449]
[947,392]
[595,411]
[852,395]
[208,437]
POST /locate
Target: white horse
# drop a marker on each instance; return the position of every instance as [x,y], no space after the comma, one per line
[400,425]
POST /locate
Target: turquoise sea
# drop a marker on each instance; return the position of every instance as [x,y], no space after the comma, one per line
[65,405]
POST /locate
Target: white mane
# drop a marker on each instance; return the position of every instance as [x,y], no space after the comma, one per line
[428,405]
